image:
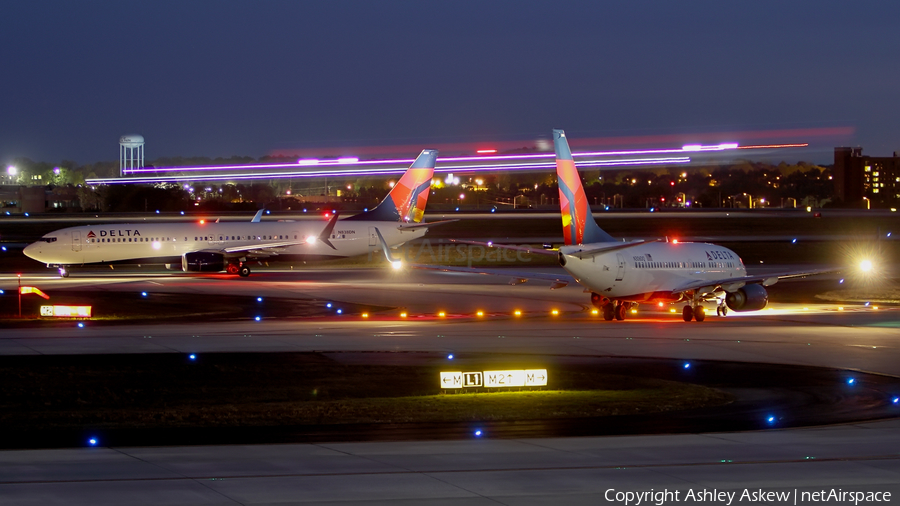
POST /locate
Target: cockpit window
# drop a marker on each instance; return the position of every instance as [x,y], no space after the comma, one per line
[48,239]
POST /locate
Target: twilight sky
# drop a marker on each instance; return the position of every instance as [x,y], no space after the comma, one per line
[225,77]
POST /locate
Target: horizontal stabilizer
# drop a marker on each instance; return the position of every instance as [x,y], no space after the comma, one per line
[570,251]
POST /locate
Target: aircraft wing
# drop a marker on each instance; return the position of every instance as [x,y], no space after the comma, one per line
[516,277]
[730,284]
[413,226]
[526,249]
[267,248]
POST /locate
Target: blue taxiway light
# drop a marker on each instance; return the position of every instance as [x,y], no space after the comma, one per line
[450,357]
[26,214]
[182,213]
[268,212]
[867,304]
[687,365]
[366,210]
[493,210]
[192,356]
[259,299]
[157,211]
[81,325]
[4,248]
[841,282]
[304,209]
[339,311]
[328,305]
[771,419]
[143,294]
[793,241]
[258,318]
[896,400]
[478,433]
[92,441]
[851,381]
[457,209]
[2,292]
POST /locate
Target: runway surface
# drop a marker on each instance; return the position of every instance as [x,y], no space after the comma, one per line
[576,470]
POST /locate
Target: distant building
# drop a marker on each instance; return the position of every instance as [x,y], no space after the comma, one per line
[858,178]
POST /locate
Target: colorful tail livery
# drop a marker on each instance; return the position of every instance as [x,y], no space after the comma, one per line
[579,226]
[406,201]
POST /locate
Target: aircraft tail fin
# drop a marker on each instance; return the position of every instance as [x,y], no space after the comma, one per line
[406,201]
[579,226]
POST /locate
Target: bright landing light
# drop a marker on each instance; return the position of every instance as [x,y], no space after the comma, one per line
[865,266]
[311,239]
[396,264]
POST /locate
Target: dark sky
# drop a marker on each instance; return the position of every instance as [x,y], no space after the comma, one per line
[222,78]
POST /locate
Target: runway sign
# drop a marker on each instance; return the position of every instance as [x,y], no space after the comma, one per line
[516,378]
[495,379]
[66,311]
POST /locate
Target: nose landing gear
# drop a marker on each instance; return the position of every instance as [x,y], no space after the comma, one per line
[63,273]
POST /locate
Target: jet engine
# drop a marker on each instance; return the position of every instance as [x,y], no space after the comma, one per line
[749,298]
[203,261]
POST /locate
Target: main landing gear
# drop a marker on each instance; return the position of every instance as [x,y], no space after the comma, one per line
[695,313]
[63,273]
[239,268]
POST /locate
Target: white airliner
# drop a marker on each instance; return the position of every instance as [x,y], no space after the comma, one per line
[203,246]
[620,274]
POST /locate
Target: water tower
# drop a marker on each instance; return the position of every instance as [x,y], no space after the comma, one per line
[131,153]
